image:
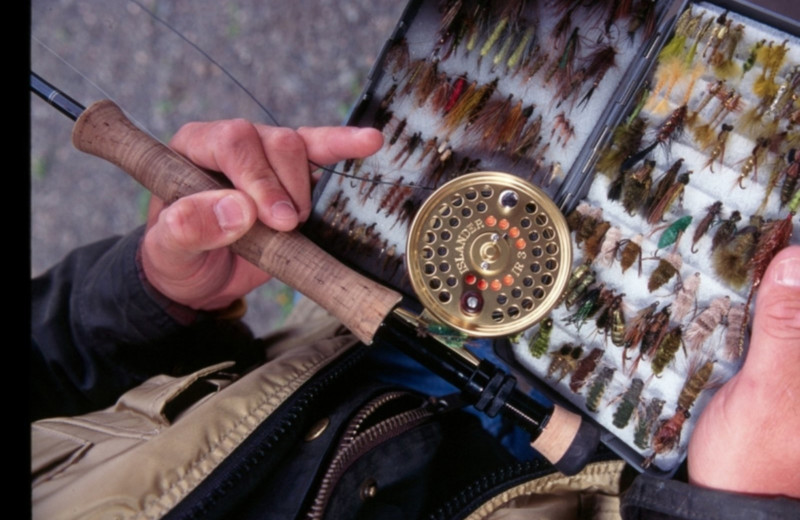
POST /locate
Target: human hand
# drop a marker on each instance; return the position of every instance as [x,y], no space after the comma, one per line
[746,439]
[184,252]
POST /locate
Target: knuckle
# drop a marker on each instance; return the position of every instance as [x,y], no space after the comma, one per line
[234,131]
[181,223]
[781,319]
[286,140]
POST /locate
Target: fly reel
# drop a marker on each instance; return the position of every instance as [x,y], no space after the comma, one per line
[489,254]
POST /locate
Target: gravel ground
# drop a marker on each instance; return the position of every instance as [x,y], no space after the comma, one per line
[305,59]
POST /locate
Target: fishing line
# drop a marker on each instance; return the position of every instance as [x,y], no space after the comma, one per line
[86,78]
[261,105]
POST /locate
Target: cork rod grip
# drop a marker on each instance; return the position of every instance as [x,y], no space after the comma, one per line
[567,440]
[358,302]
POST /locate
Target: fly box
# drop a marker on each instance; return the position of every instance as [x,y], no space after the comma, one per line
[597,184]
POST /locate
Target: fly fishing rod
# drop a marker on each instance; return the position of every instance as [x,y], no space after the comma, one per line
[371,311]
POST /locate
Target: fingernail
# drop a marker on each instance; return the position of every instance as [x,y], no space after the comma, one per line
[284,210]
[787,273]
[362,132]
[229,212]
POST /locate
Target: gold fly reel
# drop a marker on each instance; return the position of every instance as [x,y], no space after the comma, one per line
[489,254]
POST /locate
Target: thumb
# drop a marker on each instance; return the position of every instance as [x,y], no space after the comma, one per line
[203,222]
[745,440]
[775,341]
[183,253]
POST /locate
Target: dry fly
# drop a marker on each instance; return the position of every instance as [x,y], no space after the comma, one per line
[564,361]
[644,18]
[685,297]
[638,326]
[412,143]
[598,63]
[668,435]
[696,381]
[430,145]
[413,78]
[751,163]
[772,237]
[565,130]
[790,174]
[712,212]
[631,252]
[492,39]
[591,246]
[393,197]
[751,56]
[580,281]
[663,203]
[618,325]
[588,304]
[451,26]
[668,267]
[629,403]
[734,335]
[564,68]
[397,57]
[663,186]
[585,220]
[527,140]
[605,319]
[577,275]
[584,369]
[701,328]
[725,231]
[455,92]
[535,62]
[426,84]
[715,90]
[667,350]
[598,387]
[718,152]
[609,247]
[489,121]
[522,50]
[669,129]
[673,233]
[626,141]
[733,263]
[576,216]
[398,131]
[365,191]
[646,423]
[636,187]
[540,341]
[654,332]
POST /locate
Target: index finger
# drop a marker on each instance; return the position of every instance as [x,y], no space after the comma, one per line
[268,163]
[331,144]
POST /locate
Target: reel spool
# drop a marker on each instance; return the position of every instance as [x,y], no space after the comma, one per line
[489,254]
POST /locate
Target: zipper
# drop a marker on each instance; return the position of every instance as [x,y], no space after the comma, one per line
[208,500]
[385,417]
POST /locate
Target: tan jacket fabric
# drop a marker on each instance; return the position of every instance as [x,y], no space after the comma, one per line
[142,456]
[129,461]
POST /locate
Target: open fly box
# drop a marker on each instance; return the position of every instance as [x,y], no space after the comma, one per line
[667,133]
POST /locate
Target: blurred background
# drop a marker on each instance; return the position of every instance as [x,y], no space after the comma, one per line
[306,60]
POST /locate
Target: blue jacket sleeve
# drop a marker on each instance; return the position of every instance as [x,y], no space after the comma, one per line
[98,329]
